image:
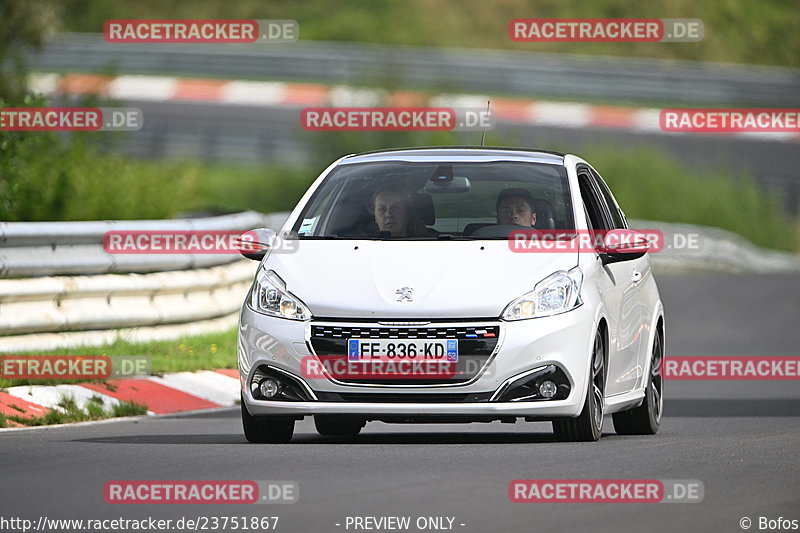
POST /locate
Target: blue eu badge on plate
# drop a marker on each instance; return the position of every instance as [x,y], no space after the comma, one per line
[352,350]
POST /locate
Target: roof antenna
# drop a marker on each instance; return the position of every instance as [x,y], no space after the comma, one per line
[483,135]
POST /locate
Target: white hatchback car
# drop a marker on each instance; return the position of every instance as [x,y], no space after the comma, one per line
[395,292]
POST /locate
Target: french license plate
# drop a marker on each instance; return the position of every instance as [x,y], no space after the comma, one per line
[365,350]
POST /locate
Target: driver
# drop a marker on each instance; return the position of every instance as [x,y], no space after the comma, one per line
[515,207]
[391,212]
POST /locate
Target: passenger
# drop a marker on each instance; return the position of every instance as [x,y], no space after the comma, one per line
[515,207]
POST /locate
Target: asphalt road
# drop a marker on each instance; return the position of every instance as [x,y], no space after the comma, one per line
[739,439]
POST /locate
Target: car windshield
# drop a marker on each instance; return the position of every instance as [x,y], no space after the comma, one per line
[439,200]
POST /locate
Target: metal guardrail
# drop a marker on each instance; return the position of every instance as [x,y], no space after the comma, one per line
[713,250]
[467,70]
[36,311]
[78,303]
[49,248]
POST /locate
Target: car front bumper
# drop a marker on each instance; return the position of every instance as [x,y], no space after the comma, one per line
[563,340]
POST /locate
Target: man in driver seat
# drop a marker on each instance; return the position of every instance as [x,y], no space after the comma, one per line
[515,207]
[396,214]
[391,211]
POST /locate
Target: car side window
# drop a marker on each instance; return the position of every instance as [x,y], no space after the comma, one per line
[617,217]
[595,206]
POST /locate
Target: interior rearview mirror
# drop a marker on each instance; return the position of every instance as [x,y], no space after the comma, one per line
[444,185]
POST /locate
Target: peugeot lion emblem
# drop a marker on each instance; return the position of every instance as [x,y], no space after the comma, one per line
[405,294]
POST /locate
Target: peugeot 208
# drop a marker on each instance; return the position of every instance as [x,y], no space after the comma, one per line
[397,291]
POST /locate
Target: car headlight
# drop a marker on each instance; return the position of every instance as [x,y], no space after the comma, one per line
[557,293]
[270,297]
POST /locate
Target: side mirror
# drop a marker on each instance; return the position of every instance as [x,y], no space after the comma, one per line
[623,245]
[255,243]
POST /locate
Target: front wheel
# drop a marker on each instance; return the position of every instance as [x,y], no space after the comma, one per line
[646,419]
[266,430]
[589,424]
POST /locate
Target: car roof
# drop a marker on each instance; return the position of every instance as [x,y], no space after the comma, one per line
[457,154]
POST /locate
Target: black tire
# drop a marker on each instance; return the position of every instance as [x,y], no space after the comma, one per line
[339,426]
[588,426]
[646,419]
[266,430]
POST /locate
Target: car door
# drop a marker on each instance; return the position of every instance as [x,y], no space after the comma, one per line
[639,306]
[617,283]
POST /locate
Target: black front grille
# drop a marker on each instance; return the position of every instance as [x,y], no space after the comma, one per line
[402,398]
[475,345]
[385,332]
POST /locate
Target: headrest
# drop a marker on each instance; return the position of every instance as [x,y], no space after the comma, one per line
[422,207]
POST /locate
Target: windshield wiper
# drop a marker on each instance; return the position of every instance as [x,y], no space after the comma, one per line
[318,237]
[334,237]
[454,237]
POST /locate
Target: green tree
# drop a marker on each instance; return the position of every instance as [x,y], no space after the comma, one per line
[24,26]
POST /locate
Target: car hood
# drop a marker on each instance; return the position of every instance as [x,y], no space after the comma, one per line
[455,279]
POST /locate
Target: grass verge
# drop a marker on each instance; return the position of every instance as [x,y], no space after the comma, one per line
[186,354]
[650,185]
[68,412]
[216,350]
